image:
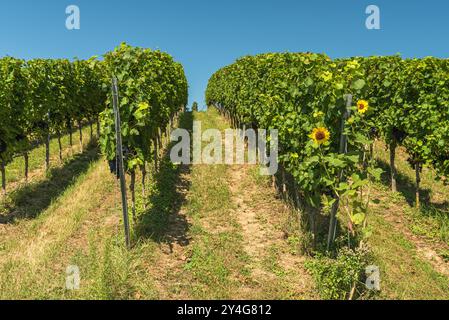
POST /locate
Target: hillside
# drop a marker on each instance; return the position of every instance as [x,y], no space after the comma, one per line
[207,232]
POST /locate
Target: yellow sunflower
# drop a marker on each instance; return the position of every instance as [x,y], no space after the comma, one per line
[320,135]
[362,106]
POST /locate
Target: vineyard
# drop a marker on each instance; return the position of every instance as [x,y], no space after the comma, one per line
[406,104]
[329,115]
[363,179]
[42,98]
[403,102]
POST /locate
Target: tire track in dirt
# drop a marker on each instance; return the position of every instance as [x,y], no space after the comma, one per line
[260,213]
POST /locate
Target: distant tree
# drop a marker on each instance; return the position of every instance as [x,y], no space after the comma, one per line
[195,106]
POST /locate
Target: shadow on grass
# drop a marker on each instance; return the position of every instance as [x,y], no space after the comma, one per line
[163,221]
[407,187]
[31,200]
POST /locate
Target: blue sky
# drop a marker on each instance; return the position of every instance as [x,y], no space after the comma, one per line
[206,35]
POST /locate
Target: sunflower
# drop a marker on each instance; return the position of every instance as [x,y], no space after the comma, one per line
[320,135]
[362,106]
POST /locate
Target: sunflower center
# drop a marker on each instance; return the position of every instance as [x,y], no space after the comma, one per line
[320,135]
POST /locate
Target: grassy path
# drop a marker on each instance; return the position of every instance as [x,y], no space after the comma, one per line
[15,171]
[33,259]
[233,244]
[411,245]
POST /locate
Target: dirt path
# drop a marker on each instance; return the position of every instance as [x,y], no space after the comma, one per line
[226,239]
[262,215]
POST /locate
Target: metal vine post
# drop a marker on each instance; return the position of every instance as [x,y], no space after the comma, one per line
[120,164]
[343,150]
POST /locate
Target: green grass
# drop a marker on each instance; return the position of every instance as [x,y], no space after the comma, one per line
[432,218]
[81,227]
[217,260]
[30,261]
[15,171]
[404,275]
[32,199]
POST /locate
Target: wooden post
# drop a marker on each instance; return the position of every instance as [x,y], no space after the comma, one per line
[98,128]
[168,132]
[394,187]
[284,183]
[132,187]
[60,146]
[26,158]
[47,152]
[144,175]
[120,163]
[298,211]
[418,183]
[311,212]
[343,149]
[3,171]
[70,137]
[156,155]
[80,129]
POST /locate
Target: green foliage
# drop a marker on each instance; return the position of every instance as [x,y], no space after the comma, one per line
[411,98]
[303,96]
[89,94]
[296,93]
[152,88]
[337,278]
[43,96]
[12,84]
[48,96]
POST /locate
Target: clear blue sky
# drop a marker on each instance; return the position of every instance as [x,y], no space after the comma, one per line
[205,35]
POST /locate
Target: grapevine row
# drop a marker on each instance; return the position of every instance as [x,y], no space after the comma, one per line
[153,90]
[302,95]
[410,100]
[42,98]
